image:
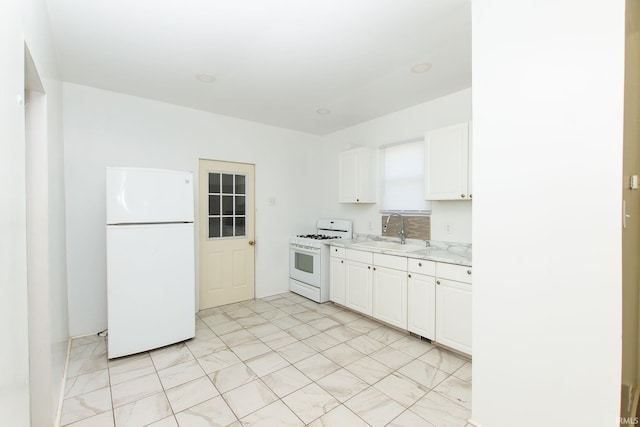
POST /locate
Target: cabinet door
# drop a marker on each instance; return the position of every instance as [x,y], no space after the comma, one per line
[337,285]
[357,176]
[359,295]
[446,163]
[349,170]
[470,168]
[453,315]
[390,296]
[421,317]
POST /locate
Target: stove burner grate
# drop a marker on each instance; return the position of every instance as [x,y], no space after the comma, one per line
[318,236]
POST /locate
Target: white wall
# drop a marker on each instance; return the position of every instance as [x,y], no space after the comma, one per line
[14,352]
[58,303]
[400,126]
[108,129]
[26,22]
[37,36]
[547,113]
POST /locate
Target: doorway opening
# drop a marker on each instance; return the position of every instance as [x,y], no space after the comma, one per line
[42,394]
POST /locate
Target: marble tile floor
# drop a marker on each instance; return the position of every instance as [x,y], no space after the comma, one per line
[276,361]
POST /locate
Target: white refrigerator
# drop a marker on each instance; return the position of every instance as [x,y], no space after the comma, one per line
[150,259]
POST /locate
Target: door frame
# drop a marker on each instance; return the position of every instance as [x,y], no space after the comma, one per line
[201,223]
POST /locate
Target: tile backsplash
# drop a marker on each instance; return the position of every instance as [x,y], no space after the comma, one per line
[415,227]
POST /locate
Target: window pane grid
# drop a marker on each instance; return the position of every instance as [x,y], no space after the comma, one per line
[227,205]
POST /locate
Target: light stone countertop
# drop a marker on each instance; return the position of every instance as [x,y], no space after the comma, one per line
[451,253]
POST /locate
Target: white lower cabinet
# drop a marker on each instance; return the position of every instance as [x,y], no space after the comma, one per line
[453,308]
[430,299]
[358,278]
[390,296]
[337,284]
[421,318]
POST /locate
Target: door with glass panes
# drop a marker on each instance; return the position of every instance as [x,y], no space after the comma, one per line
[226,223]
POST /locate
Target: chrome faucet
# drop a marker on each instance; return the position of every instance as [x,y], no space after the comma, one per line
[401,232]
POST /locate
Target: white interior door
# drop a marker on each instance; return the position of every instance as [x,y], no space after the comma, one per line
[227,232]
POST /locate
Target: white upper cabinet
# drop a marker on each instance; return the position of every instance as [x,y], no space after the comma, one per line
[447,163]
[357,176]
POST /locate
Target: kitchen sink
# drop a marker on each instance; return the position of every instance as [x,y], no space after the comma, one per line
[406,248]
[391,246]
[377,244]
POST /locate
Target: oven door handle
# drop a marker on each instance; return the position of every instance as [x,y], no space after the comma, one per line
[305,249]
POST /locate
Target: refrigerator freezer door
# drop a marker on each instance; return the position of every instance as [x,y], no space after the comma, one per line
[137,195]
[150,286]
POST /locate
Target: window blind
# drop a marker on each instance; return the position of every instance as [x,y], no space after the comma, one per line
[402,184]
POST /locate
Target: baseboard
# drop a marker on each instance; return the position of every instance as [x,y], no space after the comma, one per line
[63,386]
[474,423]
[90,334]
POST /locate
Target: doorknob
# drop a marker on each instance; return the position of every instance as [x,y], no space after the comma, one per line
[252,243]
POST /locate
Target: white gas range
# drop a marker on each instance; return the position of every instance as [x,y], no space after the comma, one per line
[309,258]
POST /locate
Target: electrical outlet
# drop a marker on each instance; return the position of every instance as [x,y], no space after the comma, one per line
[448,228]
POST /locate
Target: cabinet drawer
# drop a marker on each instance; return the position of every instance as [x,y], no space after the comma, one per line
[459,273]
[359,256]
[421,266]
[390,261]
[337,252]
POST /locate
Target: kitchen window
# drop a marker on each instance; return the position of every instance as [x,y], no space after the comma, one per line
[402,184]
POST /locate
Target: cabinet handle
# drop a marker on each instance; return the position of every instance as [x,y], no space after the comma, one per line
[369,267]
[419,264]
[471,196]
[437,282]
[341,261]
[409,276]
[374,269]
[357,200]
[335,250]
[468,271]
[462,195]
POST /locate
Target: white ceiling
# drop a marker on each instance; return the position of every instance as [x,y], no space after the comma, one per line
[274,61]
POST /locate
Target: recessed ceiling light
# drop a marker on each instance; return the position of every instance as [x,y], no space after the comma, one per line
[206,77]
[323,111]
[421,68]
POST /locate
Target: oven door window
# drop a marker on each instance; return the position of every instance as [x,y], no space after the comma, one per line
[304,262]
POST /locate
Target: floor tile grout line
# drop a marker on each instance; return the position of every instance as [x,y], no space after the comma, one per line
[309,319]
[396,371]
[280,398]
[113,411]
